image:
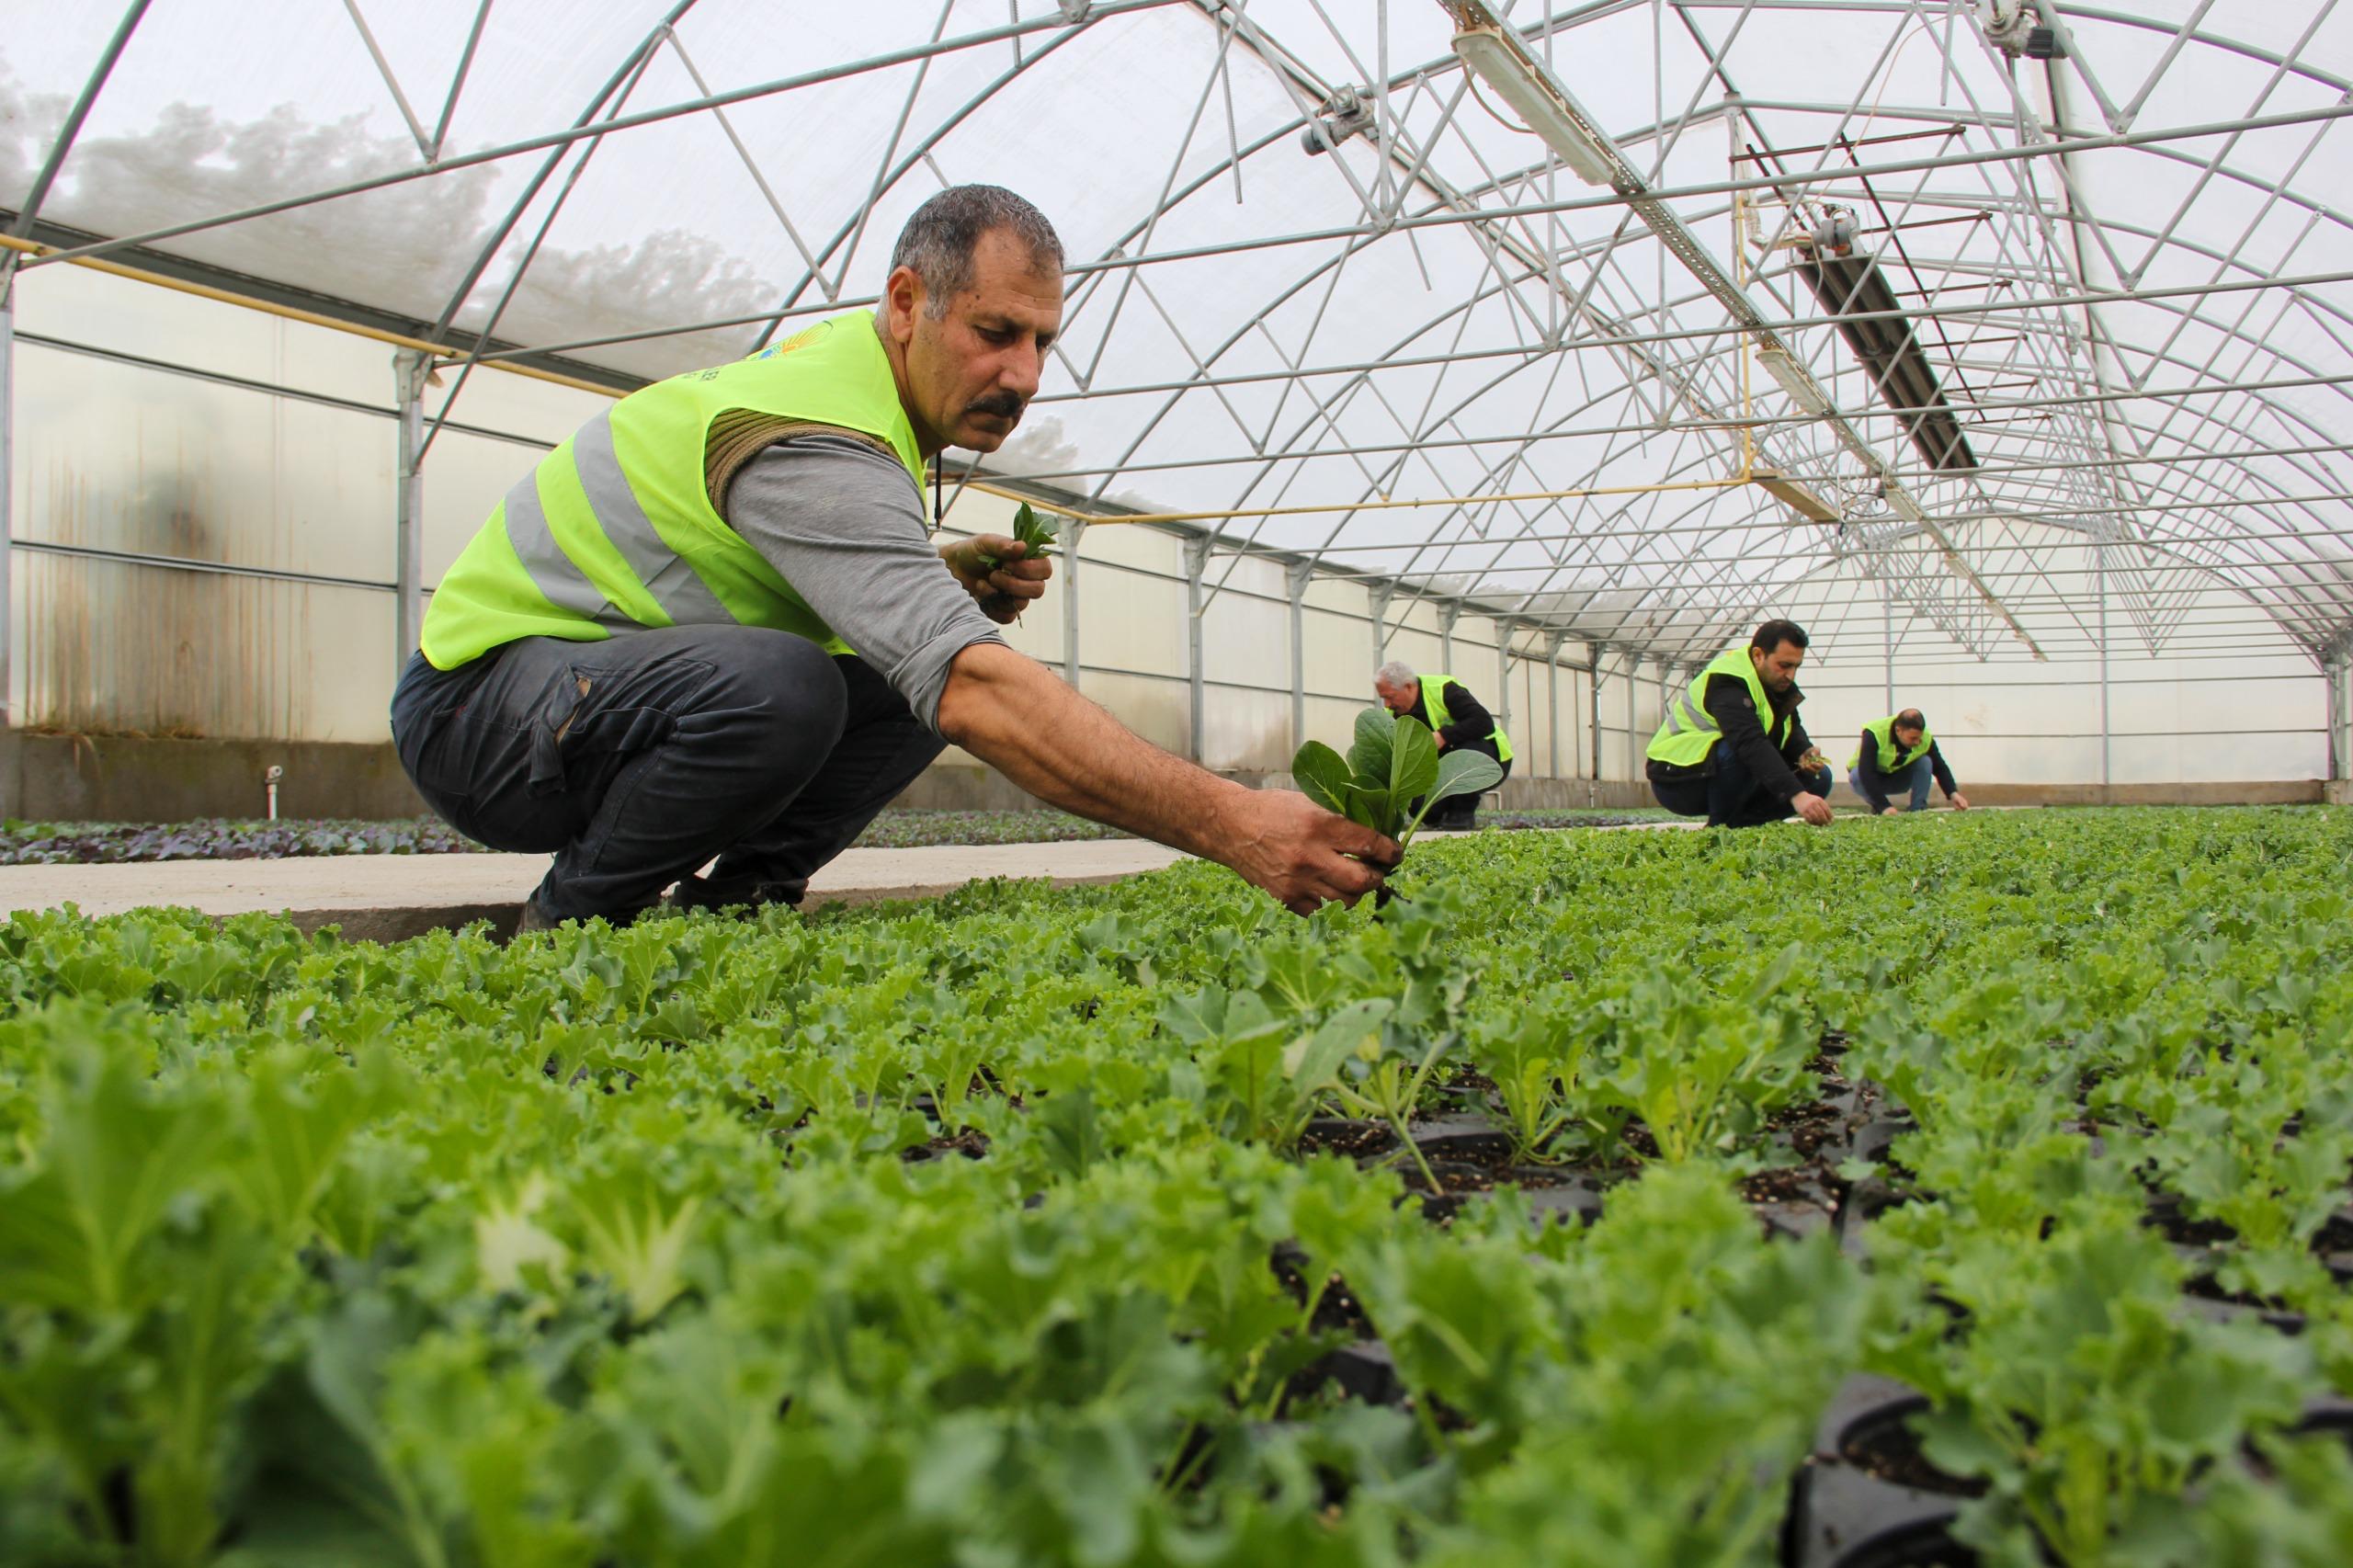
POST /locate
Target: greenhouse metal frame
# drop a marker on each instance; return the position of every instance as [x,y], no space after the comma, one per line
[1335,301]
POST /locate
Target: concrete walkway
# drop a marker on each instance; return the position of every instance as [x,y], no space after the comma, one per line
[389,897]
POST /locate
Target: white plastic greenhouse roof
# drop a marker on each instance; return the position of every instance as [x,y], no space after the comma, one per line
[2120,238]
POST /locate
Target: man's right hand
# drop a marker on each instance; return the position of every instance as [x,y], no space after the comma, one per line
[1304,855]
[1011,712]
[1814,808]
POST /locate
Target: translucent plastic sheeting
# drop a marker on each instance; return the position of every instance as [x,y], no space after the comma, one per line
[2120,238]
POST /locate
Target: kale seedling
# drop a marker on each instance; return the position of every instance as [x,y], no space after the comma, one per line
[1028,529]
[1392,776]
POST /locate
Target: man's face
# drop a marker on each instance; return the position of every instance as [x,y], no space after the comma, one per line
[967,374]
[1906,735]
[1397,699]
[1778,668]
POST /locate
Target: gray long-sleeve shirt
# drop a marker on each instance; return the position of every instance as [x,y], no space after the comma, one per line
[838,518]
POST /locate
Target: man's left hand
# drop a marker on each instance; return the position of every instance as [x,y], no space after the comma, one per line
[1959,801]
[1004,591]
[1438,736]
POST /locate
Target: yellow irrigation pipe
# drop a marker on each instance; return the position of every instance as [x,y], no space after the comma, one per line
[1384,503]
[308,318]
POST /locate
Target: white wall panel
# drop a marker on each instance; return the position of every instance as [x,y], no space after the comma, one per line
[144,459]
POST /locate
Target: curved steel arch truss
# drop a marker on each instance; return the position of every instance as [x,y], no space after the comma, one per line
[2131,268]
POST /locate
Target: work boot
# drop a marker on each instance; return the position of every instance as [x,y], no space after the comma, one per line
[534,918]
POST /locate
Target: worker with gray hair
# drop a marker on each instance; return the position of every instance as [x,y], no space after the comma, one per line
[1456,721]
[1898,757]
[710,625]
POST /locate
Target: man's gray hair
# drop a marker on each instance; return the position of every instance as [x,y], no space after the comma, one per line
[1396,671]
[938,241]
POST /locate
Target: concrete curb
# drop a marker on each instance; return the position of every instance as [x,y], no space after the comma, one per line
[389,898]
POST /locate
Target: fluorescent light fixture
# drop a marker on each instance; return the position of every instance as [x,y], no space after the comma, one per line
[1505,65]
[1798,497]
[1795,380]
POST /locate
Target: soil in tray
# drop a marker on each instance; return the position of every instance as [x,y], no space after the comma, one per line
[1808,1128]
[1337,1308]
[970,1142]
[1786,1184]
[2167,1215]
[1882,1445]
[1928,1544]
[1351,1140]
[2271,1308]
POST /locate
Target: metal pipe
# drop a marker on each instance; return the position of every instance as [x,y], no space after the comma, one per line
[1889,604]
[1197,555]
[1593,716]
[213,568]
[272,389]
[1503,677]
[1072,530]
[410,370]
[1532,352]
[1633,679]
[270,778]
[7,500]
[2335,699]
[1553,706]
[308,318]
[1387,504]
[2100,554]
[1296,578]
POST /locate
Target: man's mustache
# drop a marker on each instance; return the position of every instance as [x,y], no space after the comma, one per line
[1003,405]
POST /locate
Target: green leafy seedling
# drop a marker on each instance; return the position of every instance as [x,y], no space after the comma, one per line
[1392,764]
[1028,529]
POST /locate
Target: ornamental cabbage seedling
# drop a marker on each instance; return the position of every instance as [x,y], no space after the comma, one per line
[1393,770]
[1028,529]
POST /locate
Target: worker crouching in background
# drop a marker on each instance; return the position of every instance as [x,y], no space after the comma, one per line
[1899,756]
[1732,748]
[1458,721]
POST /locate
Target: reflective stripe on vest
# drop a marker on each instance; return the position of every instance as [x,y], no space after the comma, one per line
[1689,732]
[615,529]
[1891,760]
[1434,698]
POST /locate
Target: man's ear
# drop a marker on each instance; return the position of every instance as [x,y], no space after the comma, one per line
[903,296]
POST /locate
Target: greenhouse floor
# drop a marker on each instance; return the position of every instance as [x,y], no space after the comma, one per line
[390,897]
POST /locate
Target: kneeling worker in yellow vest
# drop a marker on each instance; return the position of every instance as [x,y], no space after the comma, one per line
[1897,754]
[1456,719]
[711,623]
[1732,748]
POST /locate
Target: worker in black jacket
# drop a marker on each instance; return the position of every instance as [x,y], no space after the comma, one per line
[1732,748]
[1456,721]
[1898,757]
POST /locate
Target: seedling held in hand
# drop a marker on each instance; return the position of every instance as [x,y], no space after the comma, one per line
[1028,529]
[1394,764]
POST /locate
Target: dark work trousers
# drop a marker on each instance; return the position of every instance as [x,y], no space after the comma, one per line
[1458,814]
[1730,795]
[635,760]
[1879,790]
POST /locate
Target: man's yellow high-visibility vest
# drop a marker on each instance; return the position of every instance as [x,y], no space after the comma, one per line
[1892,758]
[1434,695]
[1689,732]
[618,527]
